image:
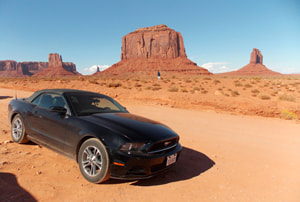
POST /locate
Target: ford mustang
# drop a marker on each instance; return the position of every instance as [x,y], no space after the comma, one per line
[95,131]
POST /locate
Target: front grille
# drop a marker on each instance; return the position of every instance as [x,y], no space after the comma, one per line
[163,146]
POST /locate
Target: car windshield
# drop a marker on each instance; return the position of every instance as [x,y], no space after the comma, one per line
[87,104]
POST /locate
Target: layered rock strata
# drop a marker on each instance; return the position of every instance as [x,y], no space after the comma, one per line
[56,68]
[149,50]
[10,68]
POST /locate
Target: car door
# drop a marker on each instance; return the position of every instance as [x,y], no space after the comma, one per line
[49,127]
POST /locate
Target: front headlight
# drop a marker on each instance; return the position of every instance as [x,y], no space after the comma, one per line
[132,146]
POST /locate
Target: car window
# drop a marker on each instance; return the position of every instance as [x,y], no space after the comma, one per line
[48,100]
[90,104]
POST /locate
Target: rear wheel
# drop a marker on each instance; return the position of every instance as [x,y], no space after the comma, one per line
[93,161]
[18,130]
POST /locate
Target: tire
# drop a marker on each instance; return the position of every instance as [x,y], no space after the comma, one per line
[93,161]
[18,134]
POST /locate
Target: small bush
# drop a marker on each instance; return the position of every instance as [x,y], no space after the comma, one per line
[137,85]
[113,85]
[288,98]
[235,93]
[255,91]
[156,88]
[196,88]
[248,85]
[288,115]
[265,97]
[184,90]
[216,81]
[237,84]
[93,81]
[173,89]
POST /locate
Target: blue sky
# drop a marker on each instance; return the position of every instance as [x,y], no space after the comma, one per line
[218,35]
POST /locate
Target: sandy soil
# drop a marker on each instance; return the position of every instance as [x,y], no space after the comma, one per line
[225,157]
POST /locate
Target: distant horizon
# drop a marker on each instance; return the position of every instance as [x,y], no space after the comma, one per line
[218,35]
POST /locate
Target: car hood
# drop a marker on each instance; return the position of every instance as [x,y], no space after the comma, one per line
[134,127]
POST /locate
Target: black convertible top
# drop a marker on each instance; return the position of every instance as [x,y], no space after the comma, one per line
[60,91]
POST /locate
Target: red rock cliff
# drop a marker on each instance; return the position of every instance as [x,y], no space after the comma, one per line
[256,57]
[56,67]
[10,68]
[157,41]
[151,49]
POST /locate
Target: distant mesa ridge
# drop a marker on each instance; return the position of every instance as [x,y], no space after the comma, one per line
[255,67]
[10,68]
[151,49]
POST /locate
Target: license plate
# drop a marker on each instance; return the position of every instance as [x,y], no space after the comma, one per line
[171,159]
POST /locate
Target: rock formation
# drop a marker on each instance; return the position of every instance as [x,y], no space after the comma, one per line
[151,49]
[56,68]
[256,57]
[158,41]
[255,67]
[10,68]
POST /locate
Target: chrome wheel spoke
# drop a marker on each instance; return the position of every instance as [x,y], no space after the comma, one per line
[86,163]
[98,163]
[17,129]
[91,161]
[93,169]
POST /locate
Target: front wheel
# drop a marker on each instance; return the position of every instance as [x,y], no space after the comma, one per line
[93,161]
[18,130]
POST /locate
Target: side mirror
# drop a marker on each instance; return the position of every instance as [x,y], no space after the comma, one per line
[58,109]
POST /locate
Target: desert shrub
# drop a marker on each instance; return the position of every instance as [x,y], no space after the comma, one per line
[237,84]
[235,93]
[173,89]
[274,93]
[156,84]
[216,81]
[207,78]
[113,85]
[196,88]
[286,97]
[156,88]
[248,85]
[148,88]
[80,78]
[288,115]
[188,81]
[184,90]
[255,91]
[204,91]
[93,81]
[137,85]
[264,97]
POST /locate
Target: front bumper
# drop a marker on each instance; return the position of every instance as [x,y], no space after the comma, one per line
[141,167]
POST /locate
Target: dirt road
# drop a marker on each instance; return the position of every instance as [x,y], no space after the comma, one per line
[225,158]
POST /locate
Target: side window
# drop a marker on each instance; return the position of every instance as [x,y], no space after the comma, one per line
[37,100]
[48,100]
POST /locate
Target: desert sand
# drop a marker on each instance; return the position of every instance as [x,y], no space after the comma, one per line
[237,143]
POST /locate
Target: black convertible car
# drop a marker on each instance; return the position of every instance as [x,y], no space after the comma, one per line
[96,131]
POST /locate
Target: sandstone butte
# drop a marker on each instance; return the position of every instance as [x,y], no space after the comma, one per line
[255,67]
[151,49]
[57,68]
[10,68]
